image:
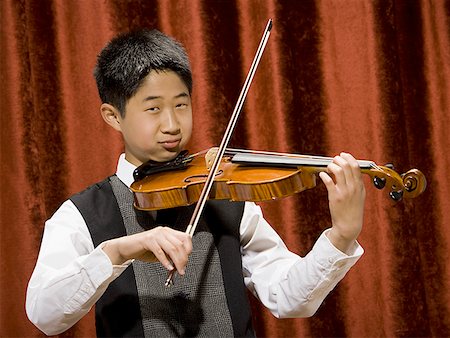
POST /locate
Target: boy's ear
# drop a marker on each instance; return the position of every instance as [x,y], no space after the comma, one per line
[111,115]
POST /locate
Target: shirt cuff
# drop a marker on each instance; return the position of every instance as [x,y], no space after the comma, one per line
[101,269]
[327,255]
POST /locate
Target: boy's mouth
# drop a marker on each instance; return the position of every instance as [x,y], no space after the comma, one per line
[170,144]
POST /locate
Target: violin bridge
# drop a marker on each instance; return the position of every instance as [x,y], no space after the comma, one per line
[210,157]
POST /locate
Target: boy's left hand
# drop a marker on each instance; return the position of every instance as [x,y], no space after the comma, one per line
[346,195]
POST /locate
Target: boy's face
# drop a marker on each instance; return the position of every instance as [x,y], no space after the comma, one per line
[158,119]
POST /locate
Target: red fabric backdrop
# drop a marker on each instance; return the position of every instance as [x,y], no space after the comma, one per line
[368,77]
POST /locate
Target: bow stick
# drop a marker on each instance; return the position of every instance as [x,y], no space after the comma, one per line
[225,140]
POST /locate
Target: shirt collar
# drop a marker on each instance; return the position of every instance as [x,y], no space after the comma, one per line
[125,170]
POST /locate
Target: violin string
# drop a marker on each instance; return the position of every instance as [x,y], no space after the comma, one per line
[234,151]
[312,159]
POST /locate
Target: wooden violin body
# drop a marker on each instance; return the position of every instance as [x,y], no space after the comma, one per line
[253,176]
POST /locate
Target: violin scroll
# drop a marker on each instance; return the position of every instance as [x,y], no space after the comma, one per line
[409,185]
[414,182]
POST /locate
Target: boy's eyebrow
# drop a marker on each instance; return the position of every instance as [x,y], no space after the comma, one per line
[149,98]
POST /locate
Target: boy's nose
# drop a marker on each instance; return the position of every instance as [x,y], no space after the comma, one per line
[169,122]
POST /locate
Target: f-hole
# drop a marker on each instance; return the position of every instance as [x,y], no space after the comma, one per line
[193,177]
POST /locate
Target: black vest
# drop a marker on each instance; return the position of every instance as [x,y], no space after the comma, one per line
[118,310]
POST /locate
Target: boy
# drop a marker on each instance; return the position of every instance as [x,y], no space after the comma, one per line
[97,249]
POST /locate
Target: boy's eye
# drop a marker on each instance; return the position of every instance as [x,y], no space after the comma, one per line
[181,105]
[153,109]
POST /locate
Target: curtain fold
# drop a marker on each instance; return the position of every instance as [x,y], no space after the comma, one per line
[368,77]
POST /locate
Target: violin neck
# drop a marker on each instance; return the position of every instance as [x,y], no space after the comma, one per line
[289,160]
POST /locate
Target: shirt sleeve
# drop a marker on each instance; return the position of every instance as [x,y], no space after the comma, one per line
[70,274]
[287,284]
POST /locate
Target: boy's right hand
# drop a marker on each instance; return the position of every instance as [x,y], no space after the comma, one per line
[164,244]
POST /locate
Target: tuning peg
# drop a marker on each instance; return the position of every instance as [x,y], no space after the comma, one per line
[379,182]
[396,195]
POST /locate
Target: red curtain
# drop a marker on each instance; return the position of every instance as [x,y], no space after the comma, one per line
[368,77]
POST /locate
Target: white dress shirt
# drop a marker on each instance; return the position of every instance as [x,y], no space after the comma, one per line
[71,275]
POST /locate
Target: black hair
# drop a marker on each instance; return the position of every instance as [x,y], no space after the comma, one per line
[128,58]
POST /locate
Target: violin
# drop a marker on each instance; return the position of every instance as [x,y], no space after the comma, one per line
[246,175]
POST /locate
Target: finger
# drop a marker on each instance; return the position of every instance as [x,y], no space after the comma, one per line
[354,165]
[178,251]
[337,171]
[187,243]
[182,241]
[185,239]
[343,161]
[328,181]
[156,247]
